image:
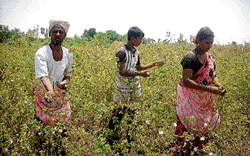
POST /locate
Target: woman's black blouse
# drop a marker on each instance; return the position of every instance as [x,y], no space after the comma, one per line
[190,61]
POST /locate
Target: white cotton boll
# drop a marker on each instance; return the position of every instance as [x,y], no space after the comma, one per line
[11,80]
[202,138]
[25,101]
[10,141]
[160,132]
[205,124]
[211,153]
[60,130]
[147,122]
[175,124]
[55,128]
[196,149]
[40,133]
[24,133]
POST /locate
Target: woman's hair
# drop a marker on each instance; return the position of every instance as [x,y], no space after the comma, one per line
[135,32]
[203,33]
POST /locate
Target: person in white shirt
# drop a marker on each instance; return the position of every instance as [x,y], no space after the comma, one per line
[53,70]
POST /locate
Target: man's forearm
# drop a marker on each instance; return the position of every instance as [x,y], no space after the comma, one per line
[128,74]
[145,67]
[47,83]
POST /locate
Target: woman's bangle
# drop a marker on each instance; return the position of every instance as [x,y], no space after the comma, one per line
[208,88]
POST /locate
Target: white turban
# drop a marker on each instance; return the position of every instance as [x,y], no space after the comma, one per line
[64,24]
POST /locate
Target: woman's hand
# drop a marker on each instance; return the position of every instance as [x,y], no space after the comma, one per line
[216,82]
[218,90]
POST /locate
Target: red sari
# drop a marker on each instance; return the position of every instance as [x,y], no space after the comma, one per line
[194,107]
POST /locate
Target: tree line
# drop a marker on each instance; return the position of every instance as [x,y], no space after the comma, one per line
[88,35]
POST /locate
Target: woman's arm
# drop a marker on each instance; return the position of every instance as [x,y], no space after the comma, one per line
[188,82]
[216,82]
[150,65]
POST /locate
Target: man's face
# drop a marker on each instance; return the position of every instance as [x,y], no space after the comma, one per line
[57,35]
[136,41]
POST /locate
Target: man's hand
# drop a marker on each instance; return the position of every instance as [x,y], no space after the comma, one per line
[145,73]
[49,96]
[159,63]
[62,85]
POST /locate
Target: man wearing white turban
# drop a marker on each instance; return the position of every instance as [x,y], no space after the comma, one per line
[63,24]
[53,70]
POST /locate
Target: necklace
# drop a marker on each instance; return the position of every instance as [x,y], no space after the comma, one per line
[201,57]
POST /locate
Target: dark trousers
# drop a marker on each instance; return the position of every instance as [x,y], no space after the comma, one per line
[116,118]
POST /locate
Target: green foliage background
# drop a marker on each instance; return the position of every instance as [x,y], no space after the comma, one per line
[91,90]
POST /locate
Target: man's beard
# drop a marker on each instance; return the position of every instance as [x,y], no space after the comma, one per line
[57,42]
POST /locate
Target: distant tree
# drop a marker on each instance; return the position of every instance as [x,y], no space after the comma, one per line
[108,37]
[113,36]
[33,33]
[148,41]
[16,30]
[169,38]
[247,43]
[37,31]
[191,39]
[89,33]
[181,39]
[6,34]
[76,39]
[101,37]
[234,43]
[159,41]
[43,32]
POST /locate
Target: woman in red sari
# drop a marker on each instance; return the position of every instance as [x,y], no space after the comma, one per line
[196,114]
